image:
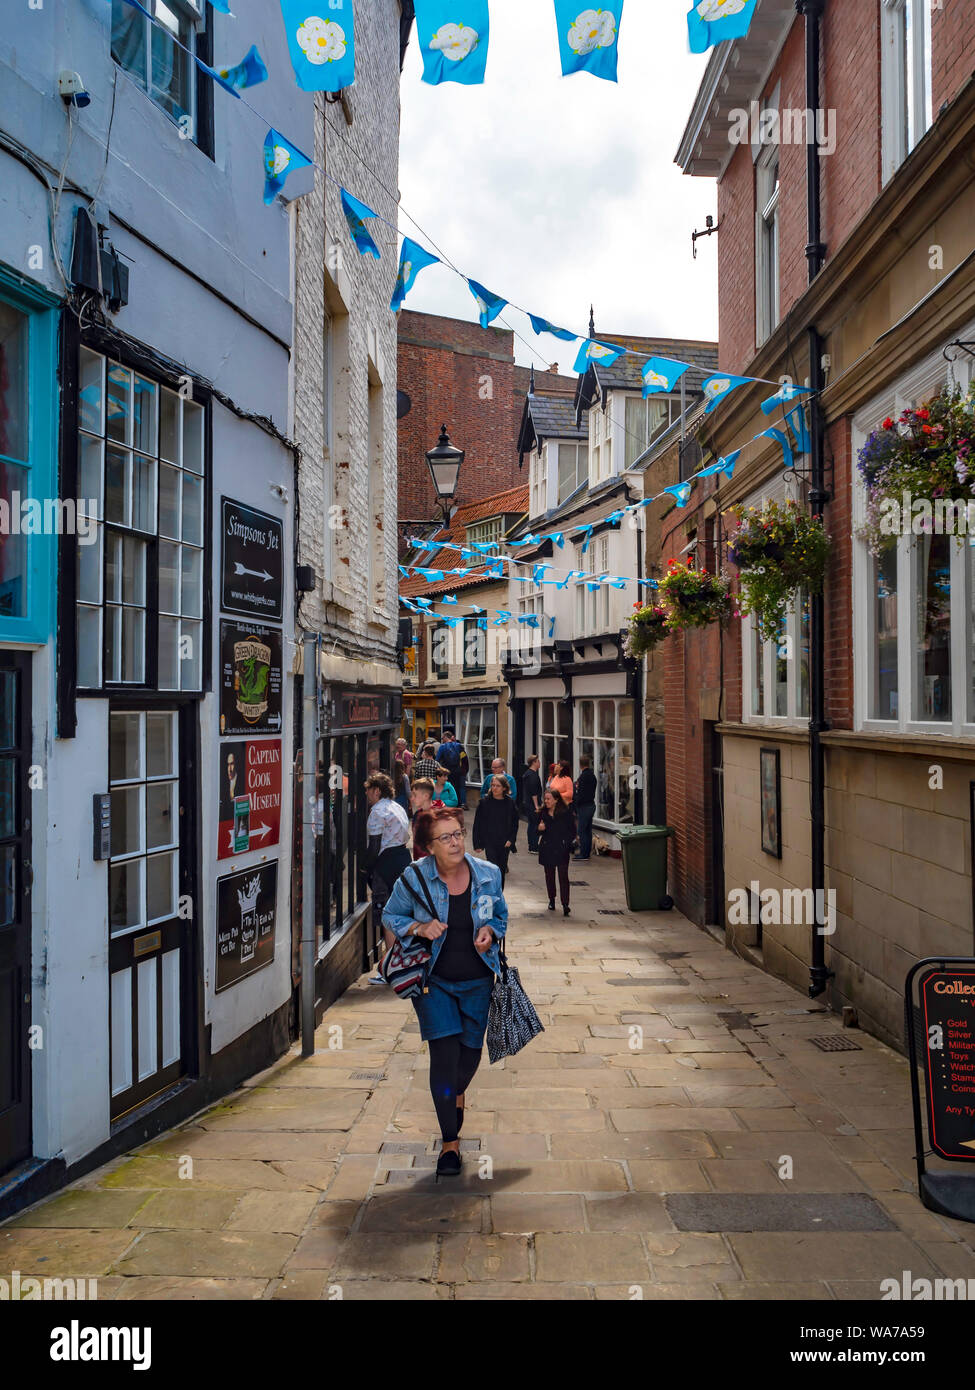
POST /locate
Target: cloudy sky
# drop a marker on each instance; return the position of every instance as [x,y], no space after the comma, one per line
[556,192]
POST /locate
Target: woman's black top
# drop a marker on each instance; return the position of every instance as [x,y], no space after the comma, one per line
[495,822]
[459,958]
[555,845]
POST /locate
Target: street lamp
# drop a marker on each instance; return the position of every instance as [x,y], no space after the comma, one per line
[445,461]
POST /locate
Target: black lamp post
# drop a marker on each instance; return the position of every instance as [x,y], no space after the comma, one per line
[445,461]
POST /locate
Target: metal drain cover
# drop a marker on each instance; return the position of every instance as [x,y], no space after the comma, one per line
[368,1076]
[835,1042]
[609,912]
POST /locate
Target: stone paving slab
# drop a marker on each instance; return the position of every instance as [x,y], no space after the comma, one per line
[673,1135]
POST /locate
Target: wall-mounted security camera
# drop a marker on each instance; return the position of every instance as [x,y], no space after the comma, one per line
[72,90]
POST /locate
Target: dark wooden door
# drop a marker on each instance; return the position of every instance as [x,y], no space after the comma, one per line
[15,898]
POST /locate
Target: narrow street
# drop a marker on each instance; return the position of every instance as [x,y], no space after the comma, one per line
[717,1154]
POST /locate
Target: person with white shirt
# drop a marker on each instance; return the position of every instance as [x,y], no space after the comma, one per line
[388,833]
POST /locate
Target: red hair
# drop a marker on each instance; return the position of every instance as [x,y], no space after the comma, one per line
[426,822]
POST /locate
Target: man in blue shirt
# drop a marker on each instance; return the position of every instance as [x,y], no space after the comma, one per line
[497,770]
[451,755]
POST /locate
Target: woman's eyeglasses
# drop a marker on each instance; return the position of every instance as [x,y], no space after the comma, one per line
[448,839]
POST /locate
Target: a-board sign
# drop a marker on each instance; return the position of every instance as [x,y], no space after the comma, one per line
[251,561]
[947,999]
[250,796]
[250,679]
[246,908]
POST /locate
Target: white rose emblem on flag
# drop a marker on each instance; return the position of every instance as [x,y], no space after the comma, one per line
[710,10]
[321,40]
[716,388]
[276,160]
[652,378]
[455,41]
[593,29]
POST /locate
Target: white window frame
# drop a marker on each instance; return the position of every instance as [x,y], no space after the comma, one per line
[777,489]
[484,532]
[907,99]
[671,411]
[592,617]
[584,743]
[580,471]
[194,14]
[538,475]
[767,243]
[924,381]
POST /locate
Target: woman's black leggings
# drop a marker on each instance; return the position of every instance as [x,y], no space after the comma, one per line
[452,1068]
[563,871]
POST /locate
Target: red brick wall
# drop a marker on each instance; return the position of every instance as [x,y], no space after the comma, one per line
[953,48]
[736,264]
[850,87]
[463,375]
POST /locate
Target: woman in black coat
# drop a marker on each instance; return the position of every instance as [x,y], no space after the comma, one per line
[557,828]
[496,825]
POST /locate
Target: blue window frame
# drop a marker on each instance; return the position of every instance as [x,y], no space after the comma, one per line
[29,511]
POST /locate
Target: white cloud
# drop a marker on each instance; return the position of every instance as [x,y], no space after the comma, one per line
[563,191]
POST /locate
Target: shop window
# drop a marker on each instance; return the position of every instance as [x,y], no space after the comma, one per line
[27,452]
[160,56]
[477,731]
[605,734]
[141,491]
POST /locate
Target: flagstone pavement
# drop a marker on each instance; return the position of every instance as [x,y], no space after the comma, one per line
[673,1134]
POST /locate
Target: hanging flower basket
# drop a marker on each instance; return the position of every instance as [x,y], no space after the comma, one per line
[925,456]
[648,626]
[778,550]
[693,597]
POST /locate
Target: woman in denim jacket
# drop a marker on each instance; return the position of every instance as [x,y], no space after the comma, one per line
[454,902]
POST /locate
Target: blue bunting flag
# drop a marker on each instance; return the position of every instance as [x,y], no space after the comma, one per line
[247,73]
[605,354]
[780,438]
[717,387]
[490,305]
[712,21]
[540,326]
[355,213]
[589,37]
[412,259]
[453,38]
[281,158]
[662,374]
[322,50]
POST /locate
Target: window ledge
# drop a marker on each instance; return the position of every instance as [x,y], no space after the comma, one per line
[787,733]
[961,747]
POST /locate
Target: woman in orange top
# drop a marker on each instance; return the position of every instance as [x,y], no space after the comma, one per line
[563,784]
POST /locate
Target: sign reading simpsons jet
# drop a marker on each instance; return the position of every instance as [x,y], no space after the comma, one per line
[948,1008]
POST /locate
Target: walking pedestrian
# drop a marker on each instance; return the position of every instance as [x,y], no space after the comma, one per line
[556,826]
[498,770]
[387,833]
[562,783]
[452,756]
[402,752]
[531,799]
[443,787]
[585,805]
[423,798]
[454,902]
[496,824]
[401,785]
[426,764]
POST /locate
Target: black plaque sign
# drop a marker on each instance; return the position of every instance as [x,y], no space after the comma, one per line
[246,908]
[250,679]
[252,561]
[948,1009]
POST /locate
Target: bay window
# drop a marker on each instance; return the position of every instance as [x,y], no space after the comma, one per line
[573,468]
[645,420]
[914,632]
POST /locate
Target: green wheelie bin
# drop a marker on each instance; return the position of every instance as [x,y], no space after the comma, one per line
[645,866]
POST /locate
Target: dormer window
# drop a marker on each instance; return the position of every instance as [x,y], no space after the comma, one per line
[485,532]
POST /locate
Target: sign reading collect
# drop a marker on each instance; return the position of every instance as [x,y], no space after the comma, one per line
[948,1006]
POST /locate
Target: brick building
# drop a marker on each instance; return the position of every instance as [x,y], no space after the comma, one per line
[459,374]
[878,319]
[345,426]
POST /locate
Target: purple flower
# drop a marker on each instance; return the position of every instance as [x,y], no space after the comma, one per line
[961,469]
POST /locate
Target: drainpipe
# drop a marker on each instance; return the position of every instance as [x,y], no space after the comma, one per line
[309,770]
[819,974]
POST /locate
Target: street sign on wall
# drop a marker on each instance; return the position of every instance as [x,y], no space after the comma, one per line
[246,910]
[250,679]
[250,796]
[251,561]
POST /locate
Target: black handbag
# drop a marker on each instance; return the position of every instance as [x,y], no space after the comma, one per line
[404,965]
[512,1020]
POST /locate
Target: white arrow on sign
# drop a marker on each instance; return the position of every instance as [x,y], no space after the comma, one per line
[261,831]
[274,722]
[254,574]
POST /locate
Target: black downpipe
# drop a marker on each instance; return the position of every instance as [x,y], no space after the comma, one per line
[819,974]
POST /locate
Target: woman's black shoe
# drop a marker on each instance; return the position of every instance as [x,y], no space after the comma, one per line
[448,1164]
[565,912]
[551,907]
